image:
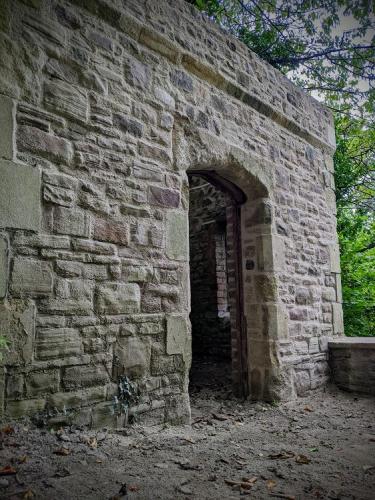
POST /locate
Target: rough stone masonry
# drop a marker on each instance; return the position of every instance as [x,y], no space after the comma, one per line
[105,105]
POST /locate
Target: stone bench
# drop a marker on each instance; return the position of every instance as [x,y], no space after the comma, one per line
[352,361]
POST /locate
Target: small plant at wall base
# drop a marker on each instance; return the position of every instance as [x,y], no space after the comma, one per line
[128,395]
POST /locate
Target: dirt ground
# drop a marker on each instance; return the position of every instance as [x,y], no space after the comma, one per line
[321,446]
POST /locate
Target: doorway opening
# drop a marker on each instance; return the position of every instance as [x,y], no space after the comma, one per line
[219,358]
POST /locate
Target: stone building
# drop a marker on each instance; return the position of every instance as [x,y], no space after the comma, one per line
[113,114]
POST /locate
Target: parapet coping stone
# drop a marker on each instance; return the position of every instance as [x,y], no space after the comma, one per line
[352,343]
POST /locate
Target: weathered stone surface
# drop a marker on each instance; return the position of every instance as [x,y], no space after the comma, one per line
[67,400]
[27,407]
[41,143]
[164,197]
[57,342]
[58,195]
[352,362]
[337,319]
[84,376]
[178,337]
[108,230]
[132,357]
[4,265]
[30,277]
[118,298]
[7,128]
[71,221]
[271,253]
[17,320]
[19,196]
[177,236]
[66,100]
[42,382]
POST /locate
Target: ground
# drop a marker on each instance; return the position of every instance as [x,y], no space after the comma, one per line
[319,446]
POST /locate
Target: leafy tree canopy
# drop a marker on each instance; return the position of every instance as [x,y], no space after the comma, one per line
[326,46]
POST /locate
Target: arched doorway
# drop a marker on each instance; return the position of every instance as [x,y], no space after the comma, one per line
[219,341]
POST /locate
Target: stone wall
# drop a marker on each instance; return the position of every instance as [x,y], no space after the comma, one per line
[210,316]
[104,106]
[352,362]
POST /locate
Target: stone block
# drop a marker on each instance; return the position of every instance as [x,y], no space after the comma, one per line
[337,319]
[42,382]
[163,197]
[15,386]
[43,144]
[58,195]
[4,265]
[265,288]
[270,251]
[137,74]
[118,298]
[177,234]
[71,221]
[66,100]
[178,336]
[69,400]
[334,258]
[112,231]
[84,376]
[127,124]
[19,196]
[137,274]
[26,407]
[17,323]
[275,322]
[30,277]
[57,343]
[7,127]
[132,357]
[302,382]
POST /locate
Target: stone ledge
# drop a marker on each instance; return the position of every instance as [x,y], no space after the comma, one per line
[352,343]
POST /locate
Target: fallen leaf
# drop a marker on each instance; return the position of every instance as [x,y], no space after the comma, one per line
[246,485]
[220,417]
[62,451]
[23,459]
[308,408]
[283,455]
[252,480]
[28,494]
[302,459]
[270,484]
[8,470]
[92,442]
[7,430]
[313,449]
[188,440]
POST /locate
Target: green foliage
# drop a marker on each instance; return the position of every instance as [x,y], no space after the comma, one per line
[355,193]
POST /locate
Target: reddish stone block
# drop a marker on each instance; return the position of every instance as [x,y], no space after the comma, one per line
[115,232]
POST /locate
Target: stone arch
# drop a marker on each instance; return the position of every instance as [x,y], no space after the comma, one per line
[263,317]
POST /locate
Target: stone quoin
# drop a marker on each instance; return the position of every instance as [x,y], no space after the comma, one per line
[109,111]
